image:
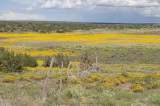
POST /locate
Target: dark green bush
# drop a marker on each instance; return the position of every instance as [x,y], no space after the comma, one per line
[46,62]
[11,62]
[28,61]
[58,62]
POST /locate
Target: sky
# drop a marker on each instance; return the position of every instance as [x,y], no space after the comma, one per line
[103,11]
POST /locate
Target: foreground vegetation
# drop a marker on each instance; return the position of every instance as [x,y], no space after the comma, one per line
[110,88]
[105,69]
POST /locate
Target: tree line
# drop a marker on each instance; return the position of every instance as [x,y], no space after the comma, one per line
[52,27]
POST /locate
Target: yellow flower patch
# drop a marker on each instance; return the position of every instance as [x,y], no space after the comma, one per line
[9,79]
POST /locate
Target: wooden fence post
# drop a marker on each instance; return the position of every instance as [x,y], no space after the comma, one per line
[96,63]
[61,78]
[81,71]
[44,94]
[68,72]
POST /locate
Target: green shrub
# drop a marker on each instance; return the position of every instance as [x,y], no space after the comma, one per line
[11,62]
[46,62]
[59,58]
[69,94]
[28,61]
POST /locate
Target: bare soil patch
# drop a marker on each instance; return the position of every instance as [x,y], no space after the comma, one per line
[124,87]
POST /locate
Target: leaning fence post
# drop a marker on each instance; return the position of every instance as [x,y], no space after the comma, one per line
[44,94]
[96,63]
[61,78]
[68,72]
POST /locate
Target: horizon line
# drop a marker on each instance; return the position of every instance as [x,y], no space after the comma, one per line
[76,22]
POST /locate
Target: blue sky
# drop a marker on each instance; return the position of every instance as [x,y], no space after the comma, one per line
[108,11]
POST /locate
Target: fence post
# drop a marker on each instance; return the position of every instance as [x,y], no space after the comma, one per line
[96,63]
[44,94]
[81,71]
[68,72]
[61,78]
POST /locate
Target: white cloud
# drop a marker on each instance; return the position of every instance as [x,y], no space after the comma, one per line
[151,11]
[127,3]
[28,2]
[145,7]
[32,6]
[88,3]
[20,16]
[95,3]
[62,4]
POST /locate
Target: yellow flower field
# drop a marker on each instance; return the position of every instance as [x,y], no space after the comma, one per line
[19,42]
[77,37]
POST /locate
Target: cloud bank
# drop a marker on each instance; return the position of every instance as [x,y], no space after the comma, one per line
[97,3]
[145,7]
[75,10]
[20,16]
